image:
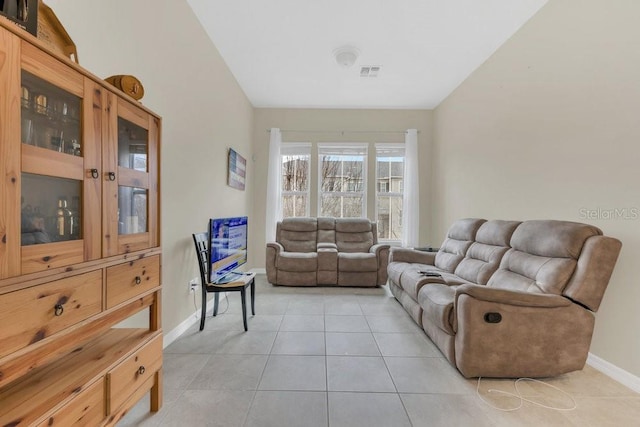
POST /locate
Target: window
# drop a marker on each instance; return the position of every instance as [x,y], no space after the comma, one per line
[342,185]
[342,180]
[296,159]
[389,189]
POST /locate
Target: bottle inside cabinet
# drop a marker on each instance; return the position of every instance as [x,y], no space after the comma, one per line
[50,116]
[51,209]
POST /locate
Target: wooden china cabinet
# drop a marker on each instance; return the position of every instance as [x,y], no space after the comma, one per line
[79,242]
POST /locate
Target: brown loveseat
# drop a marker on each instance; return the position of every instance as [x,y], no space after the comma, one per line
[327,251]
[508,298]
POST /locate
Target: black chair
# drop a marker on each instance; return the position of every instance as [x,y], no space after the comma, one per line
[201,240]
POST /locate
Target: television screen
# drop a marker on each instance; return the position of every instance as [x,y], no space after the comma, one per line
[227,247]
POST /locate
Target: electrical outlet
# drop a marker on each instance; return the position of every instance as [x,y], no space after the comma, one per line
[193,284]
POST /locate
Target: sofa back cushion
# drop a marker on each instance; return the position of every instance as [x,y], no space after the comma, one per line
[459,237]
[326,230]
[355,234]
[297,234]
[484,255]
[543,256]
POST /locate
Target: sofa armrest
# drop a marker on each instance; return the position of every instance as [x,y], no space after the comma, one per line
[271,262]
[379,249]
[509,297]
[382,255]
[411,256]
[326,245]
[275,246]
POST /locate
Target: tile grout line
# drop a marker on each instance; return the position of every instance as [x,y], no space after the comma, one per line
[326,370]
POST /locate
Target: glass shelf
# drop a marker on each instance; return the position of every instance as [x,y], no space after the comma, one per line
[133,146]
[132,210]
[50,116]
[51,209]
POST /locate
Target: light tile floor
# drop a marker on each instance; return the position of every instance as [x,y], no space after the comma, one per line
[352,357]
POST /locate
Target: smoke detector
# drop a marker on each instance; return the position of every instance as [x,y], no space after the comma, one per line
[346,56]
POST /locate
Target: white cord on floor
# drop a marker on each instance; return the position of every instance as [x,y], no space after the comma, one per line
[226,298]
[518,395]
[196,304]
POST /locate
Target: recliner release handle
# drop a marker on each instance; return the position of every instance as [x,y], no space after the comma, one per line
[492,317]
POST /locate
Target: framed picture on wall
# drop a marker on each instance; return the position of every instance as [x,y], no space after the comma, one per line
[237,170]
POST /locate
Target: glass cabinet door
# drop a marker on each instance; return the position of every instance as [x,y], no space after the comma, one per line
[132,171]
[50,120]
[133,153]
[50,116]
[60,113]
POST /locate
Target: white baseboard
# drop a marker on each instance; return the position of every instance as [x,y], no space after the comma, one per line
[623,377]
[175,333]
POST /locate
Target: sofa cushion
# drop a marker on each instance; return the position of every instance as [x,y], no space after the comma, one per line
[452,279]
[357,262]
[549,238]
[413,280]
[326,230]
[497,232]
[297,234]
[354,235]
[298,261]
[459,237]
[484,255]
[299,224]
[543,256]
[436,301]
[353,225]
[520,271]
[395,270]
[451,253]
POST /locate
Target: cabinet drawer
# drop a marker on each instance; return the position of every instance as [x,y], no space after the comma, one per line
[30,315]
[86,409]
[125,378]
[127,280]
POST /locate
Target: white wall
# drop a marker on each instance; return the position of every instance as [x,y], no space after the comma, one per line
[204,113]
[550,126]
[325,125]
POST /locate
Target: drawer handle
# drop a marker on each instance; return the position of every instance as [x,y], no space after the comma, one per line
[59,309]
[112,176]
[94,173]
[138,280]
[141,370]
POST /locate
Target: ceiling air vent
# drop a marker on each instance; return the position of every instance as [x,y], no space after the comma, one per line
[370,71]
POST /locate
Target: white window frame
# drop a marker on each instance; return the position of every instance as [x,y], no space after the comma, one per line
[388,150]
[297,149]
[344,149]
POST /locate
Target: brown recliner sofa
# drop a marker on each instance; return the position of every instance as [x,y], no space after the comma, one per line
[327,251]
[507,298]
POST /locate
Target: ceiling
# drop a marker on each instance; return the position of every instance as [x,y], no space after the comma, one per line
[281,51]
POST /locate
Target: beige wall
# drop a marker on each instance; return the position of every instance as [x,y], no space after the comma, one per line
[547,127]
[204,113]
[325,125]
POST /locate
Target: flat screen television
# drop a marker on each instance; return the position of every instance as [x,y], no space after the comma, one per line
[227,247]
